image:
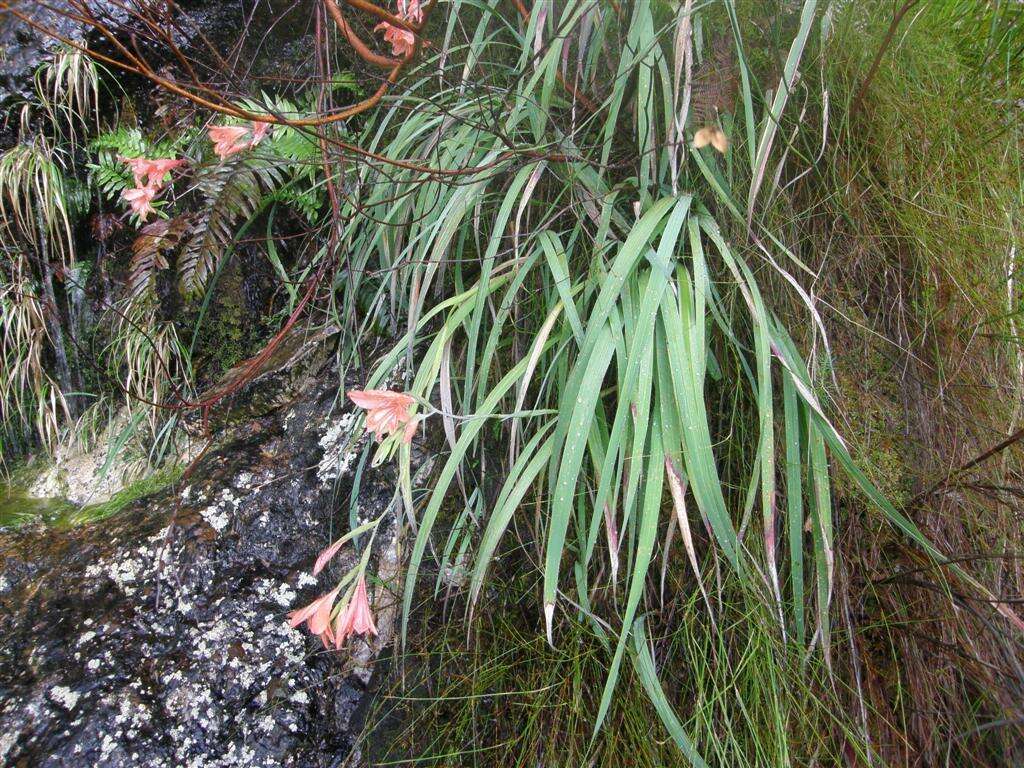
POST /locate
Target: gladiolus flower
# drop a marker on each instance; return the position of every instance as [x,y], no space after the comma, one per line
[410,11]
[140,200]
[357,618]
[259,130]
[326,555]
[153,171]
[227,139]
[317,616]
[402,40]
[387,412]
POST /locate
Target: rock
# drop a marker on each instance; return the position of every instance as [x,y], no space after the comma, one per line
[159,637]
[24,45]
[278,49]
[92,473]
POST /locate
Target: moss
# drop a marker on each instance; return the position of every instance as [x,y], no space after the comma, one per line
[17,508]
[915,217]
[236,322]
[874,421]
[223,338]
[146,486]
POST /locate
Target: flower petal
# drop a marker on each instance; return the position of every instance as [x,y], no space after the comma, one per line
[410,429]
[321,619]
[378,398]
[326,556]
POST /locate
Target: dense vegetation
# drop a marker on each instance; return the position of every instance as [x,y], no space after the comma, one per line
[709,311]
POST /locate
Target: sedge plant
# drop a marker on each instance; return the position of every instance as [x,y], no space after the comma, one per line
[575,282]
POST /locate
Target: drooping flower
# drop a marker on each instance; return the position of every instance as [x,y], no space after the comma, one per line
[259,130]
[317,616]
[326,555]
[140,200]
[387,412]
[161,167]
[410,10]
[356,618]
[402,40]
[228,139]
[152,171]
[139,166]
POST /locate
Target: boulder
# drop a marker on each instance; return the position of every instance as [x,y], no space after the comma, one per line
[159,637]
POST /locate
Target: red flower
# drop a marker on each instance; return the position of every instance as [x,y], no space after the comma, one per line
[259,130]
[326,555]
[140,200]
[153,171]
[317,615]
[387,412]
[410,11]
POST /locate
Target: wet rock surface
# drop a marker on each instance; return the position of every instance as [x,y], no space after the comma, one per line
[27,38]
[278,50]
[159,638]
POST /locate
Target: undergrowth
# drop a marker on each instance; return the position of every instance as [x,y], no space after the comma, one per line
[496,694]
[917,213]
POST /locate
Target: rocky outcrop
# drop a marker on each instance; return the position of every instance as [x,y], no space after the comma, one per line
[158,638]
[279,50]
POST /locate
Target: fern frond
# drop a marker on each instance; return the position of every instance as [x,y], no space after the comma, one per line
[121,141]
[305,201]
[232,191]
[149,253]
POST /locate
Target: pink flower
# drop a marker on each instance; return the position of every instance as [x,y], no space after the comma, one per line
[402,40]
[410,11]
[259,130]
[387,412]
[326,555]
[317,615]
[227,139]
[357,618]
[161,167]
[140,200]
[153,171]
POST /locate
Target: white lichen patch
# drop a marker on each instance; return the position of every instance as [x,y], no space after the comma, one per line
[160,536]
[128,569]
[193,663]
[64,696]
[336,461]
[7,742]
[284,595]
[218,514]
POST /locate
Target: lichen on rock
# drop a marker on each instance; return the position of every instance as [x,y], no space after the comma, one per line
[159,638]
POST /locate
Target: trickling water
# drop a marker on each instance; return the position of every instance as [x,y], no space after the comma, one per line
[18,508]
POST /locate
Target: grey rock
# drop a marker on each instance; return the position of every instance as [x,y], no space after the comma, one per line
[159,638]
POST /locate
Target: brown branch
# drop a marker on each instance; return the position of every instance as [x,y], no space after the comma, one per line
[387,16]
[214,103]
[886,42]
[355,41]
[999,447]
